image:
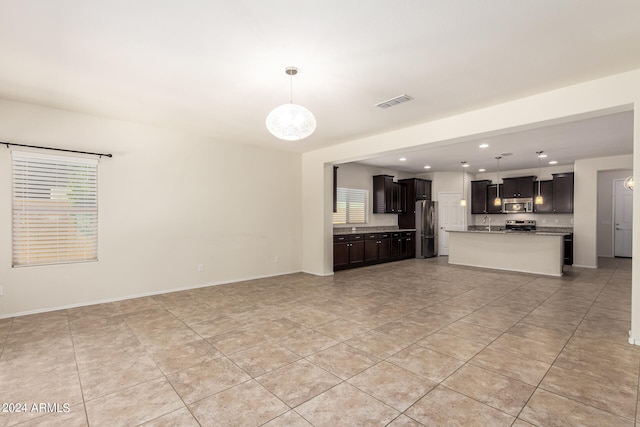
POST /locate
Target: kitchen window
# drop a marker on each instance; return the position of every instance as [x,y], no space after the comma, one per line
[352,206]
[54,209]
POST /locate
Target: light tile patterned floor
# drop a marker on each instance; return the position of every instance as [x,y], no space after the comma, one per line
[417,342]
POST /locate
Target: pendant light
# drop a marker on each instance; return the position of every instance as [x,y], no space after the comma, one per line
[463,200]
[628,183]
[539,199]
[498,201]
[291,122]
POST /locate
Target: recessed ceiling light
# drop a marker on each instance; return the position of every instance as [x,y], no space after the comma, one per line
[466,165]
[427,167]
[485,145]
[542,156]
[553,162]
[481,170]
[403,159]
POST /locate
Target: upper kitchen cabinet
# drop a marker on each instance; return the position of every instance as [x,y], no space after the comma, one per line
[563,192]
[388,196]
[479,196]
[335,189]
[520,187]
[546,191]
[417,189]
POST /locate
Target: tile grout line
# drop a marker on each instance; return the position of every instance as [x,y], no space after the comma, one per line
[75,358]
[563,348]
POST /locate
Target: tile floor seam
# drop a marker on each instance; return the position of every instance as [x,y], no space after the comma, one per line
[6,336]
[609,292]
[75,359]
[177,394]
[560,352]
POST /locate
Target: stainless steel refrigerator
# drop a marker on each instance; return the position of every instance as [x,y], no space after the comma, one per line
[426,229]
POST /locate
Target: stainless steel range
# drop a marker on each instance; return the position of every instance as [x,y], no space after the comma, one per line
[520,225]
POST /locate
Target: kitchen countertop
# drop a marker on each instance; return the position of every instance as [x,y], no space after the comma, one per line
[519,233]
[362,230]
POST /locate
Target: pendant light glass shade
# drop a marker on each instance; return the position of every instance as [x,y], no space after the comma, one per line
[291,122]
[498,201]
[539,199]
[463,200]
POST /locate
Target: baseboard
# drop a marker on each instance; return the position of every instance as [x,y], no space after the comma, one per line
[142,295]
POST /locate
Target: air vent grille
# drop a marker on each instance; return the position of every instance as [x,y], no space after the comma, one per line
[393,101]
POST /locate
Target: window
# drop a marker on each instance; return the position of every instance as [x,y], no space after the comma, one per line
[55,209]
[352,206]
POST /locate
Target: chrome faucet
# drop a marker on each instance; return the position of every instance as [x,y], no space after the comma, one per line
[484,221]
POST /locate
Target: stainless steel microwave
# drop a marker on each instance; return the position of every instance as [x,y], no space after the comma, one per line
[517,205]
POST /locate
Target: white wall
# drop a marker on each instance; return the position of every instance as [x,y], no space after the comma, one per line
[605,209]
[358,176]
[585,205]
[167,202]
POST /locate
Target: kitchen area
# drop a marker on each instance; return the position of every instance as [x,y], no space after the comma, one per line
[515,234]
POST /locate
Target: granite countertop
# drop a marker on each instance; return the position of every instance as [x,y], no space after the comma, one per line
[362,230]
[519,233]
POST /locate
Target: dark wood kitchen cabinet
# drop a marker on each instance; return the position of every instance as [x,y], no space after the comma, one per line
[348,251]
[377,247]
[568,249]
[410,241]
[388,196]
[358,250]
[546,191]
[403,245]
[417,189]
[492,193]
[563,192]
[335,189]
[479,198]
[520,187]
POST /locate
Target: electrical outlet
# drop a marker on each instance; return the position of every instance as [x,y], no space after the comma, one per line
[275,259]
[200,268]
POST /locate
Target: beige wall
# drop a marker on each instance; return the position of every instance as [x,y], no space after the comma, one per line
[585,206]
[167,202]
[360,176]
[605,209]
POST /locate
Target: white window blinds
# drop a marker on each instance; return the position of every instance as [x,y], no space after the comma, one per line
[55,209]
[352,206]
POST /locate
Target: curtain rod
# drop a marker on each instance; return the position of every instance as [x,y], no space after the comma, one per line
[56,149]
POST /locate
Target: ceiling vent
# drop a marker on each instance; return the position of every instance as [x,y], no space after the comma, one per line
[393,101]
[506,154]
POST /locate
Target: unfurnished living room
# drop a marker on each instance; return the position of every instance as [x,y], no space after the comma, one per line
[279,213]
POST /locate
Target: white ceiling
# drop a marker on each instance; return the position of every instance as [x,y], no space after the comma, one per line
[564,143]
[217,67]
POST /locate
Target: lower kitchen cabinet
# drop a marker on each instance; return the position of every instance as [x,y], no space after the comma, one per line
[348,251]
[377,247]
[568,249]
[356,250]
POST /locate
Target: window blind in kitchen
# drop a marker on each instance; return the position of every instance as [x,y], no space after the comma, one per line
[352,206]
[54,209]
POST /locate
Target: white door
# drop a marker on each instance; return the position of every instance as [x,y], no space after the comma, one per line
[623,219]
[451,216]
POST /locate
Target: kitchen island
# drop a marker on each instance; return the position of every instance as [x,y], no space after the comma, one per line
[527,252]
